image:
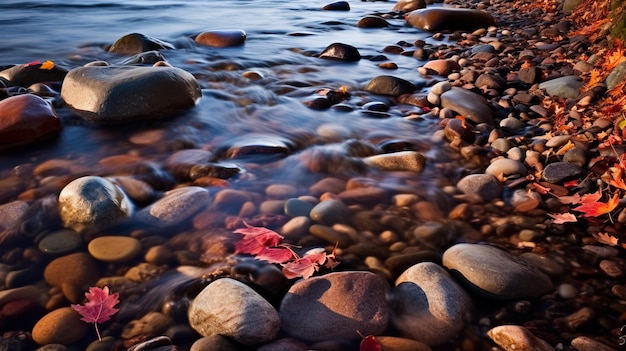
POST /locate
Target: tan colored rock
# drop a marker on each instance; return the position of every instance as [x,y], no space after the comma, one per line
[73,273]
[61,326]
[517,338]
[221,38]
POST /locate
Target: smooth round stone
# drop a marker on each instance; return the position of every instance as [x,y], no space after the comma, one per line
[93,203]
[411,161]
[27,119]
[281,191]
[60,242]
[284,344]
[506,167]
[29,292]
[126,93]
[337,6]
[114,249]
[341,52]
[72,273]
[585,343]
[558,140]
[214,343]
[502,144]
[616,76]
[566,87]
[159,343]
[409,5]
[441,87]
[430,306]
[472,106]
[392,343]
[559,172]
[333,306]
[257,145]
[231,308]
[272,206]
[330,212]
[230,200]
[567,291]
[366,196]
[61,326]
[221,38]
[439,18]
[136,43]
[296,228]
[576,156]
[389,85]
[485,186]
[515,337]
[495,273]
[512,123]
[331,236]
[176,206]
[296,207]
[443,67]
[371,21]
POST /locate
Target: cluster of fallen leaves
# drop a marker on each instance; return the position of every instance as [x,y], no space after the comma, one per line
[265,244]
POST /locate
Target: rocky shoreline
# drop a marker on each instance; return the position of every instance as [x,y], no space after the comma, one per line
[518,247]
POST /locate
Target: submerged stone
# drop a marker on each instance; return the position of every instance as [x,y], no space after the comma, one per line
[441,18]
[135,43]
[221,38]
[390,85]
[340,51]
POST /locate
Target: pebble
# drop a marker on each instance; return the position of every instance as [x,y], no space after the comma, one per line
[232,309]
[337,6]
[214,343]
[408,5]
[61,326]
[330,235]
[330,212]
[175,206]
[560,172]
[316,309]
[429,306]
[27,119]
[137,43]
[514,337]
[72,273]
[485,186]
[389,85]
[506,167]
[611,268]
[442,67]
[296,228]
[567,291]
[494,273]
[372,21]
[284,344]
[391,343]
[150,325]
[221,38]
[472,106]
[30,73]
[296,207]
[93,203]
[341,52]
[114,249]
[410,161]
[60,242]
[585,343]
[566,87]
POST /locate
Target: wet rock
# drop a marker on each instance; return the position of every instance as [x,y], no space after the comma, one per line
[175,207]
[530,75]
[256,146]
[61,326]
[428,305]
[221,38]
[409,5]
[114,249]
[490,81]
[296,208]
[60,242]
[559,172]
[341,52]
[30,73]
[330,212]
[92,203]
[390,85]
[231,308]
[371,21]
[126,93]
[585,343]
[214,343]
[485,186]
[26,119]
[515,337]
[144,58]
[331,236]
[150,325]
[315,309]
[566,87]
[410,161]
[440,18]
[337,6]
[284,344]
[442,67]
[135,43]
[73,273]
[506,167]
[472,106]
[495,273]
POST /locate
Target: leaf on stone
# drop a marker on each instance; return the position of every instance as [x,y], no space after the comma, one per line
[605,238]
[570,199]
[596,208]
[47,65]
[300,267]
[614,176]
[369,343]
[99,305]
[560,218]
[256,239]
[279,254]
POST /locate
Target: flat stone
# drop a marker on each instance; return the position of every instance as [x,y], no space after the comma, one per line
[439,18]
[175,207]
[11,213]
[317,309]
[61,326]
[430,306]
[617,75]
[410,161]
[485,186]
[495,273]
[93,203]
[559,172]
[114,249]
[221,38]
[472,106]
[567,87]
[60,242]
[231,308]
[585,343]
[107,94]
[391,343]
[390,85]
[518,338]
[27,119]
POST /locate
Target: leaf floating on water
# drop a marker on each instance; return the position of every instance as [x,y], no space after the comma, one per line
[47,65]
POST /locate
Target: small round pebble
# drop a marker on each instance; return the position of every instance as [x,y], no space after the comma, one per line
[114,249]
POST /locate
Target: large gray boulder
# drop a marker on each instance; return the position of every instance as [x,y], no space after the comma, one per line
[122,93]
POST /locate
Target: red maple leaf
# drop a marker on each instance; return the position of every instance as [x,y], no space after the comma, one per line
[256,239]
[300,267]
[369,343]
[595,208]
[98,308]
[279,254]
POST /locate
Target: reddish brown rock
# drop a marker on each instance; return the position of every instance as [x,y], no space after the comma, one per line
[221,38]
[440,18]
[26,119]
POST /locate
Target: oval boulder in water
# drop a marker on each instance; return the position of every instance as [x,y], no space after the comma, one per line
[342,52]
[441,18]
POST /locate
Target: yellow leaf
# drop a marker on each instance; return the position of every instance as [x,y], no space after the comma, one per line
[622,124]
[47,65]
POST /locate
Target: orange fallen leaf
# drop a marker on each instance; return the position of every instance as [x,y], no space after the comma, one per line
[605,238]
[595,209]
[560,218]
[614,176]
[47,65]
[541,189]
[462,119]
